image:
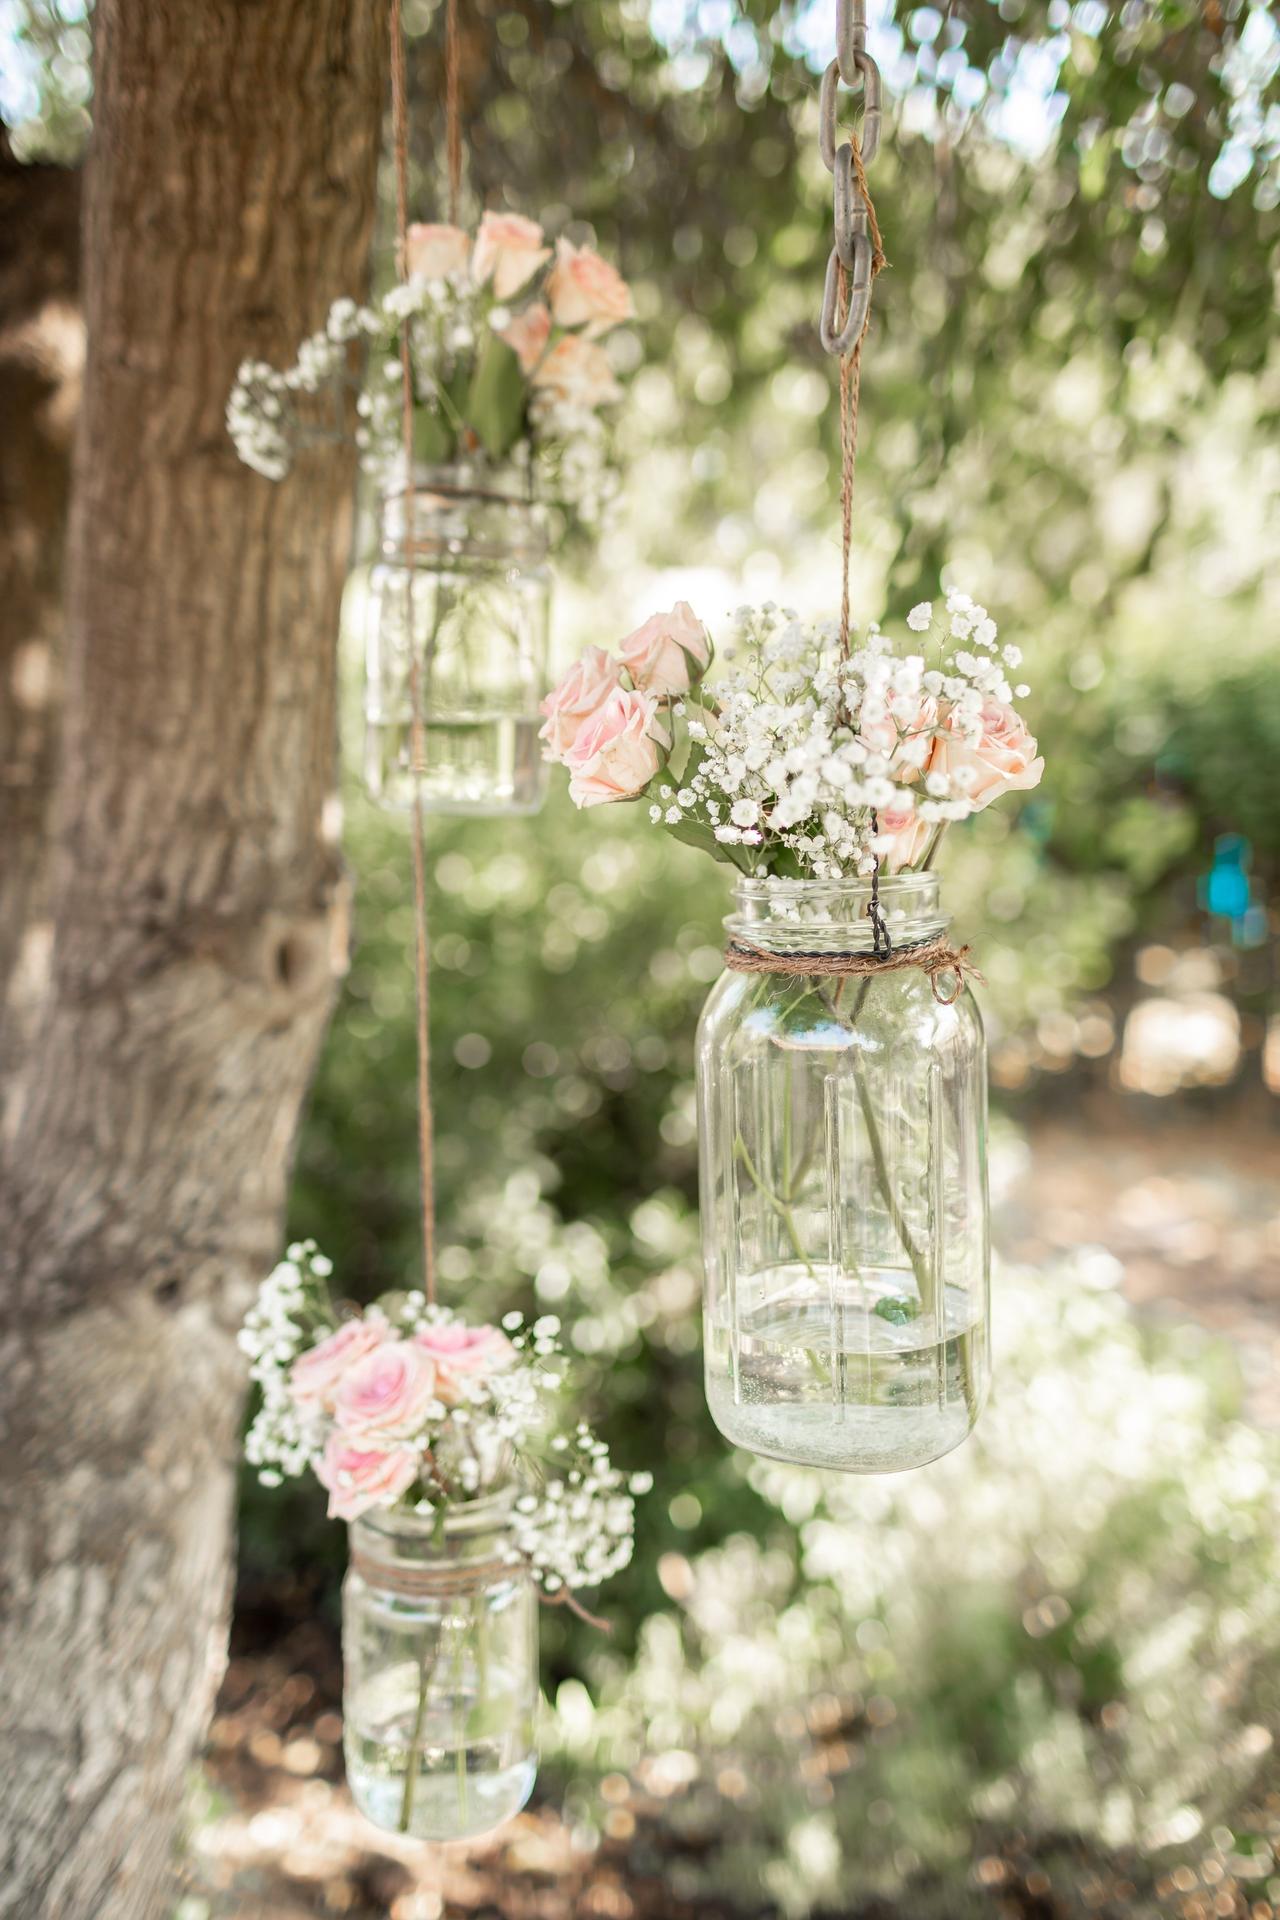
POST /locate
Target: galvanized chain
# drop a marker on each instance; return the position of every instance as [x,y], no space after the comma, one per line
[856,248]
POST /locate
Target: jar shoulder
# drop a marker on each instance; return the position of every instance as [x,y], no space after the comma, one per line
[753,1013]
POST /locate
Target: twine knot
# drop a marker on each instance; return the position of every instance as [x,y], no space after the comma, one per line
[936,958]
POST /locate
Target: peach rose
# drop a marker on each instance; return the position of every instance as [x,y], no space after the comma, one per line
[902,837]
[582,692]
[314,1375]
[460,1353]
[509,251]
[669,652]
[527,335]
[435,251]
[615,753]
[359,1477]
[583,287]
[1003,759]
[577,373]
[386,1395]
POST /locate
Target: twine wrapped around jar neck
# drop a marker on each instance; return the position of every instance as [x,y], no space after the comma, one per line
[464,513]
[440,1578]
[448,1583]
[932,957]
[422,1582]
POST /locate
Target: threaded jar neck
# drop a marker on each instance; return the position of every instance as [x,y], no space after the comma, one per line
[486,514]
[832,916]
[389,1544]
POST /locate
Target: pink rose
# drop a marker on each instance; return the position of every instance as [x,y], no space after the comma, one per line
[386,1395]
[315,1374]
[435,251]
[582,692]
[528,334]
[359,1476]
[669,652]
[583,287]
[509,249]
[879,736]
[459,1353]
[902,837]
[615,753]
[577,373]
[914,745]
[1002,760]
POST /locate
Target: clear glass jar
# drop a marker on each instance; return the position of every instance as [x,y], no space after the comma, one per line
[461,583]
[440,1655]
[844,1189]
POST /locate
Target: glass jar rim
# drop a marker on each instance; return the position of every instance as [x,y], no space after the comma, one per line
[500,482]
[462,1518]
[487,512]
[898,886]
[834,916]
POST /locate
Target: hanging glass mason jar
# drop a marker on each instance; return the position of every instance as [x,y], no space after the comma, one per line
[469,595]
[440,1651]
[844,1189]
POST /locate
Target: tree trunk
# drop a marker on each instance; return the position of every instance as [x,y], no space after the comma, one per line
[198,916]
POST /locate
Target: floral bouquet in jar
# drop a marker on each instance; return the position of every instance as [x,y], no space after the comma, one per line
[799,761]
[506,359]
[841,1063]
[438,1444]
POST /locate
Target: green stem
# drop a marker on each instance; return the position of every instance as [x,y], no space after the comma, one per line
[796,1170]
[919,1265]
[780,1207]
[442,606]
[931,850]
[415,1744]
[463,1730]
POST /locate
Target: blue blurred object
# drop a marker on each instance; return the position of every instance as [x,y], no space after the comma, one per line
[1226,891]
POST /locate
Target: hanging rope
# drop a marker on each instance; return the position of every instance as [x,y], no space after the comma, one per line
[417,744]
[452,117]
[852,265]
[851,387]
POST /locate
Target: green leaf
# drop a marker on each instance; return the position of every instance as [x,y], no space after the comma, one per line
[696,833]
[496,401]
[897,1309]
[433,439]
[783,864]
[693,759]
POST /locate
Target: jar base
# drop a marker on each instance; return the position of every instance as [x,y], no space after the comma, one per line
[840,1439]
[448,1763]
[477,765]
[449,1802]
[827,1369]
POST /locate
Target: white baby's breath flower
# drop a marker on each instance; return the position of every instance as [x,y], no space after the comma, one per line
[920,618]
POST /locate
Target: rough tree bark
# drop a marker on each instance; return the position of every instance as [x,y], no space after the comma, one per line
[198,916]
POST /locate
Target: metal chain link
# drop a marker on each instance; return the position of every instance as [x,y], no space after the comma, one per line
[852,249]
